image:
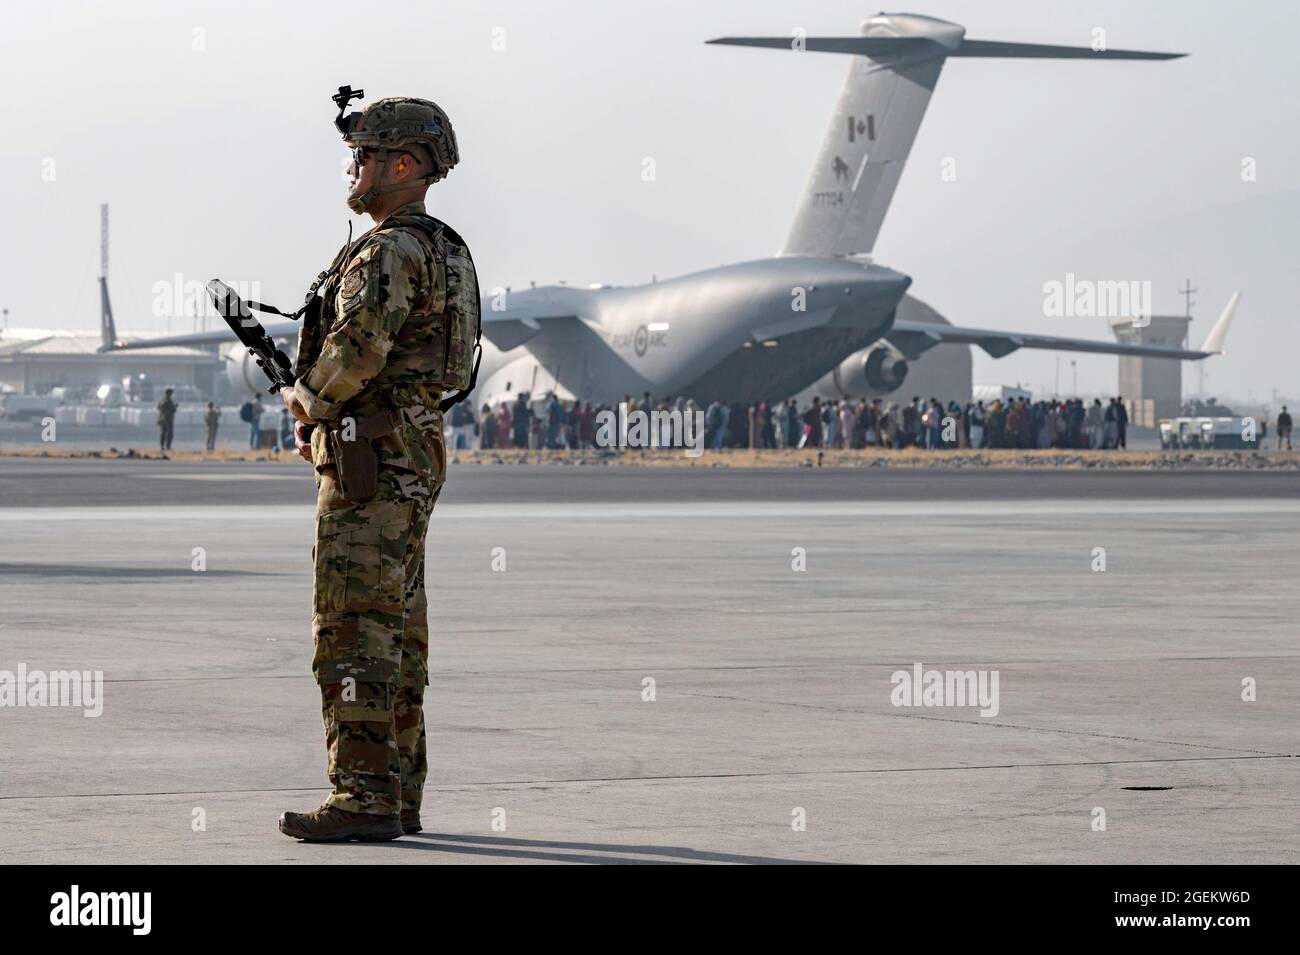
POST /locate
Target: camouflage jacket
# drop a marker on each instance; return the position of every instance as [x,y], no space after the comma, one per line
[395,317]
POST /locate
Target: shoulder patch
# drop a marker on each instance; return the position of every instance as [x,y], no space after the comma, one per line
[354,281]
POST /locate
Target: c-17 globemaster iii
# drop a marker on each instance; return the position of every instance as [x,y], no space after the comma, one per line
[821,312]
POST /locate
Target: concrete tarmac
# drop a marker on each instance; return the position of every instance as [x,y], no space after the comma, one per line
[66,482]
[1118,690]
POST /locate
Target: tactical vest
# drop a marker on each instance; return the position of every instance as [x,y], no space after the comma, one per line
[458,349]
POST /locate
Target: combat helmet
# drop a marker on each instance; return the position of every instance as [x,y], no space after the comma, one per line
[389,124]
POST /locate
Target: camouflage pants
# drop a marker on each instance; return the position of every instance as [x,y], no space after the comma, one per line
[371,633]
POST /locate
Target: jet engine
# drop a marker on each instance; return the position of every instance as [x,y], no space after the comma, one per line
[878,370]
[242,373]
[884,369]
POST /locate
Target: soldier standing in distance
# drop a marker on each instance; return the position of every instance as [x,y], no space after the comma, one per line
[210,421]
[166,421]
[397,328]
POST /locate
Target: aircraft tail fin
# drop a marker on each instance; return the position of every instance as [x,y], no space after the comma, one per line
[897,61]
[1214,341]
[107,330]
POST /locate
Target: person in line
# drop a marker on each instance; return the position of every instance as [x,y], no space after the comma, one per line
[285,435]
[975,434]
[211,419]
[521,419]
[255,423]
[812,425]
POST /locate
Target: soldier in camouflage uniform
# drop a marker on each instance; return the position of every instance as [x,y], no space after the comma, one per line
[399,318]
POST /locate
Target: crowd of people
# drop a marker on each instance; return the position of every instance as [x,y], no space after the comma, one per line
[557,424]
[517,424]
[1014,423]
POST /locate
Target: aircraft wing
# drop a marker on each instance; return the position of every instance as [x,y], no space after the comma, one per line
[278,330]
[506,324]
[512,318]
[513,325]
[913,338]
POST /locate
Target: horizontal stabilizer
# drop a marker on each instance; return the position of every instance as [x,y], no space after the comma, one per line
[877,47]
[1042,51]
[873,46]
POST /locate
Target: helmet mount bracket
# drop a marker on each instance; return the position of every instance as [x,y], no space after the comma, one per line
[342,98]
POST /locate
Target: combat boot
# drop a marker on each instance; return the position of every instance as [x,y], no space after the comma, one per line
[330,824]
[411,821]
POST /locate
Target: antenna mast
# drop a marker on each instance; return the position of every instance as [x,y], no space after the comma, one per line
[1186,292]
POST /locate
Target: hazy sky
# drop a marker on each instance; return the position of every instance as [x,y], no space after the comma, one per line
[208,128]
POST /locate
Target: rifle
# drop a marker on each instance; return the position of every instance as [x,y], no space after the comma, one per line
[236,312]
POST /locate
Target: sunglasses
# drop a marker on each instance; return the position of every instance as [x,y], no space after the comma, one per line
[361,155]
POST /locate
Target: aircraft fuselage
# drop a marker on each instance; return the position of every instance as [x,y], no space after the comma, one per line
[750,331]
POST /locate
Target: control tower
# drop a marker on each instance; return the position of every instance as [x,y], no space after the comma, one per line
[1152,387]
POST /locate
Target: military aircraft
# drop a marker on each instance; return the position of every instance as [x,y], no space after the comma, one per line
[820,312]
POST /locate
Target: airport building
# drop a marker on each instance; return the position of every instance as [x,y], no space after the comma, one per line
[36,361]
[1152,387]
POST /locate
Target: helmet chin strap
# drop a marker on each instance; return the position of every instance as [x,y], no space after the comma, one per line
[364,201]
